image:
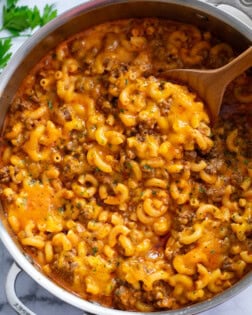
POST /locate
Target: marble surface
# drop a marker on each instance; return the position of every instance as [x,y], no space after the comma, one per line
[44,303]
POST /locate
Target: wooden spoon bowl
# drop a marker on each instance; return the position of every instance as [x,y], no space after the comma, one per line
[210,85]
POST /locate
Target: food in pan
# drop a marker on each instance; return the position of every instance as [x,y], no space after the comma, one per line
[113,179]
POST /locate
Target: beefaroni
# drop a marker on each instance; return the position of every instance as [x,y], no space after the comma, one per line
[108,171]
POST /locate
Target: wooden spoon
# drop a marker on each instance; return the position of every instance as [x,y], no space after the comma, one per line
[210,85]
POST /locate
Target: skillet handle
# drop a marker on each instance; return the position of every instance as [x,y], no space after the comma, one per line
[245,6]
[10,291]
[11,295]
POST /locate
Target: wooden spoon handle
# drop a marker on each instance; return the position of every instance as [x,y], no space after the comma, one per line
[217,81]
[235,67]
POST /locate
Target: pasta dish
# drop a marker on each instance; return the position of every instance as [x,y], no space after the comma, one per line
[114,180]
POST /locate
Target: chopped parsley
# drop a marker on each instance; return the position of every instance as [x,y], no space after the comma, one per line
[50,105]
[128,165]
[147,167]
[94,250]
[202,189]
[61,209]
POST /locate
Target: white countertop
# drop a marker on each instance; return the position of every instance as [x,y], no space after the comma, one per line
[42,302]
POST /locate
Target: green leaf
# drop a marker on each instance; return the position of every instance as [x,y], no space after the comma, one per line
[48,14]
[5,54]
[11,3]
[34,18]
[19,19]
[16,19]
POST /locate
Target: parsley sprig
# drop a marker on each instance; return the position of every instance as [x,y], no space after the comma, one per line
[20,21]
[5,53]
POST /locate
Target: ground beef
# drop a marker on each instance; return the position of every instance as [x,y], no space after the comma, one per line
[61,115]
[125,297]
[4,174]
[236,178]
[190,156]
[216,151]
[159,296]
[20,105]
[165,106]
[30,123]
[130,153]
[72,146]
[214,165]
[215,194]
[183,220]
[248,151]
[249,244]
[227,264]
[71,167]
[102,178]
[145,128]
